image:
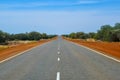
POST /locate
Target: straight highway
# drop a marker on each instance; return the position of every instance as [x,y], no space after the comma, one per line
[60,60]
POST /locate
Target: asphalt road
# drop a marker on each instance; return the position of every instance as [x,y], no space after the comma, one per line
[60,60]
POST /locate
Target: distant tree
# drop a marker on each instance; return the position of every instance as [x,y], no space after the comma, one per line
[65,35]
[4,37]
[73,35]
[81,35]
[92,35]
[21,36]
[105,33]
[117,26]
[116,35]
[51,36]
[44,36]
[12,37]
[78,35]
[34,35]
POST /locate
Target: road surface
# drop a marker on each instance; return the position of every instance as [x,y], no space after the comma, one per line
[60,60]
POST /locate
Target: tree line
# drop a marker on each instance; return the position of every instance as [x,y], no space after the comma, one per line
[4,37]
[106,33]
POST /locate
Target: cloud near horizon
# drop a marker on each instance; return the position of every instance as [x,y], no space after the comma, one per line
[57,22]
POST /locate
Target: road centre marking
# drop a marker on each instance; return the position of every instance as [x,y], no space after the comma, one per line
[58,59]
[58,76]
[58,52]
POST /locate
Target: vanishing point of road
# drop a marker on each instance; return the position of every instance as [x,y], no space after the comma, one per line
[60,60]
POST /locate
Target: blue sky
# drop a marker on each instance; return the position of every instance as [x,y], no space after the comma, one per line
[57,16]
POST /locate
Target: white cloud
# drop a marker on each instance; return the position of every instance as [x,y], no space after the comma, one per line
[88,1]
[38,4]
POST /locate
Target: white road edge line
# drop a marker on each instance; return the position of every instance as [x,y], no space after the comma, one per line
[96,52]
[21,53]
[58,59]
[58,76]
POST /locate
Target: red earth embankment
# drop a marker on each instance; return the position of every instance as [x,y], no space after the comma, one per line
[109,48]
[11,51]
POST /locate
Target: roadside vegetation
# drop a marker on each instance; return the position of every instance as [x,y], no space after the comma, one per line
[12,44]
[5,38]
[106,33]
[105,40]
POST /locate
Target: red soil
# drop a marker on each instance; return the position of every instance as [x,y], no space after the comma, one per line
[109,48]
[8,52]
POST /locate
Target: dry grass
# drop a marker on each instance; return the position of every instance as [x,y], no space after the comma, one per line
[2,47]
